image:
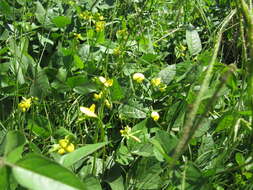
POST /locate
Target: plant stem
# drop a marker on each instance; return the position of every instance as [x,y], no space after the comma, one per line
[248,18]
[189,123]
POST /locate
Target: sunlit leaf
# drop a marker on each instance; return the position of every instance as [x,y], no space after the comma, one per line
[193,40]
[71,158]
[36,172]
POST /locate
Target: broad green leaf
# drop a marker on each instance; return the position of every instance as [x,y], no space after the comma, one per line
[13,145]
[40,13]
[203,128]
[225,122]
[4,177]
[76,80]
[149,58]
[206,149]
[130,111]
[193,40]
[193,173]
[114,178]
[4,7]
[116,91]
[144,148]
[158,150]
[117,184]
[44,40]
[39,125]
[167,141]
[86,88]
[2,137]
[62,132]
[239,158]
[147,174]
[167,74]
[61,21]
[78,62]
[71,158]
[36,173]
[123,155]
[92,183]
[146,44]
[40,85]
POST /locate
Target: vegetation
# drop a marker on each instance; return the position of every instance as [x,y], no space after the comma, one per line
[126,94]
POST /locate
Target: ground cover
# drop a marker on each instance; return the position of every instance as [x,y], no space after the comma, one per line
[126,94]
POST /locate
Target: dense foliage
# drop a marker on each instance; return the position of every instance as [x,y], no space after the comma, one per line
[126,94]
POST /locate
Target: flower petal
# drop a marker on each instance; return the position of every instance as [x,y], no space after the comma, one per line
[87,111]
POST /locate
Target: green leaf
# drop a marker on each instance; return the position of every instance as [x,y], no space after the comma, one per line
[167,141]
[76,80]
[114,178]
[129,111]
[41,14]
[206,150]
[4,7]
[13,145]
[44,40]
[146,44]
[167,74]
[203,128]
[36,172]
[193,41]
[123,155]
[147,174]
[4,177]
[225,122]
[116,91]
[239,158]
[40,86]
[86,88]
[62,132]
[71,158]
[78,62]
[61,21]
[92,183]
[193,173]
[39,125]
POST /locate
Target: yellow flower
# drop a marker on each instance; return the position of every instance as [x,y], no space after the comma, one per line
[98,96]
[126,133]
[70,148]
[63,143]
[25,104]
[156,82]
[61,151]
[138,77]
[117,51]
[108,104]
[86,15]
[106,82]
[102,79]
[90,112]
[78,36]
[64,146]
[101,18]
[122,34]
[163,87]
[155,115]
[71,3]
[100,25]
